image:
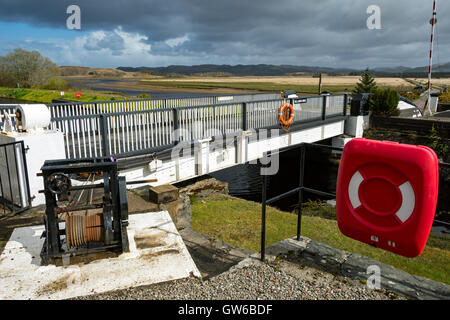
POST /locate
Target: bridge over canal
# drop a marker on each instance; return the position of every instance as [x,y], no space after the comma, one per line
[173,140]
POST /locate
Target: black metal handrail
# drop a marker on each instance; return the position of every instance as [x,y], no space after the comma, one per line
[13,175]
[300,189]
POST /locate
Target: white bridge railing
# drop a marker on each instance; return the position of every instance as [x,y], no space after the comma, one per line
[116,128]
[96,107]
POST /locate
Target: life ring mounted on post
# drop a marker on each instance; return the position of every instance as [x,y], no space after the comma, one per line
[283,114]
[386,196]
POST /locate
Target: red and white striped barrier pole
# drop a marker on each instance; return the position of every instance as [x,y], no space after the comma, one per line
[433,23]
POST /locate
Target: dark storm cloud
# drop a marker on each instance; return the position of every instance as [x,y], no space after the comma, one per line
[325,32]
[111,40]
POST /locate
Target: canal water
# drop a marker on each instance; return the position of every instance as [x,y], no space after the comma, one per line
[320,173]
[321,169]
[93,85]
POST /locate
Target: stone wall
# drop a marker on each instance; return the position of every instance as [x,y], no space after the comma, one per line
[415,132]
[421,126]
[177,202]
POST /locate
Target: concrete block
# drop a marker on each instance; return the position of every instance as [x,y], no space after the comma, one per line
[157,254]
[355,126]
[163,194]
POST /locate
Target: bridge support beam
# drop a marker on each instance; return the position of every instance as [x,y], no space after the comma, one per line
[202,157]
[242,146]
[355,125]
[248,146]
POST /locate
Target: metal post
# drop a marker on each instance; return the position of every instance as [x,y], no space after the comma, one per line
[300,193]
[52,229]
[16,163]
[320,83]
[115,202]
[176,125]
[25,169]
[430,66]
[345,104]
[244,116]
[263,218]
[108,208]
[324,106]
[105,135]
[1,183]
[9,178]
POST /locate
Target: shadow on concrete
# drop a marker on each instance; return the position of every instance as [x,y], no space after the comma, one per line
[212,257]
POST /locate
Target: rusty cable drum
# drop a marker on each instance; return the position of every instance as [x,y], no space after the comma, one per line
[78,229]
[75,230]
[82,229]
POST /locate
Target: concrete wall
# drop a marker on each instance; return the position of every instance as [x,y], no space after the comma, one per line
[421,126]
[40,146]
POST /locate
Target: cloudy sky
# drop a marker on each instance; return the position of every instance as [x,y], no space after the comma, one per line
[331,33]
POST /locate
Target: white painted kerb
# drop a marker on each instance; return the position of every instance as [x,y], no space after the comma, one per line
[22,277]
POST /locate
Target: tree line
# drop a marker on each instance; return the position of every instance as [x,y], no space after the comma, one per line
[28,69]
[382,102]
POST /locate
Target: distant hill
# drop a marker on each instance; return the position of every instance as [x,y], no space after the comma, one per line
[443,67]
[392,69]
[281,70]
[237,70]
[95,72]
[442,70]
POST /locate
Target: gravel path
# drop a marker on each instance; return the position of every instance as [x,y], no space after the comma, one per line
[254,280]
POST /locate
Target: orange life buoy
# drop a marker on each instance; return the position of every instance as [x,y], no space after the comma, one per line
[286,123]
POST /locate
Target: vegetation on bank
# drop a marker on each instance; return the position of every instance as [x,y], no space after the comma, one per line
[238,222]
[26,69]
[46,96]
[411,95]
[444,98]
[27,75]
[438,144]
[366,83]
[385,103]
[260,86]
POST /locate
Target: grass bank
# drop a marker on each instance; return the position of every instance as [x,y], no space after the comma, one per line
[305,88]
[260,86]
[46,96]
[238,222]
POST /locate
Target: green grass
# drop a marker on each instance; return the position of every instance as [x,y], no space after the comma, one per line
[261,86]
[46,96]
[239,222]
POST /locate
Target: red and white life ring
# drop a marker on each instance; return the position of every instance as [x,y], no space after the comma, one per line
[404,197]
[386,194]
